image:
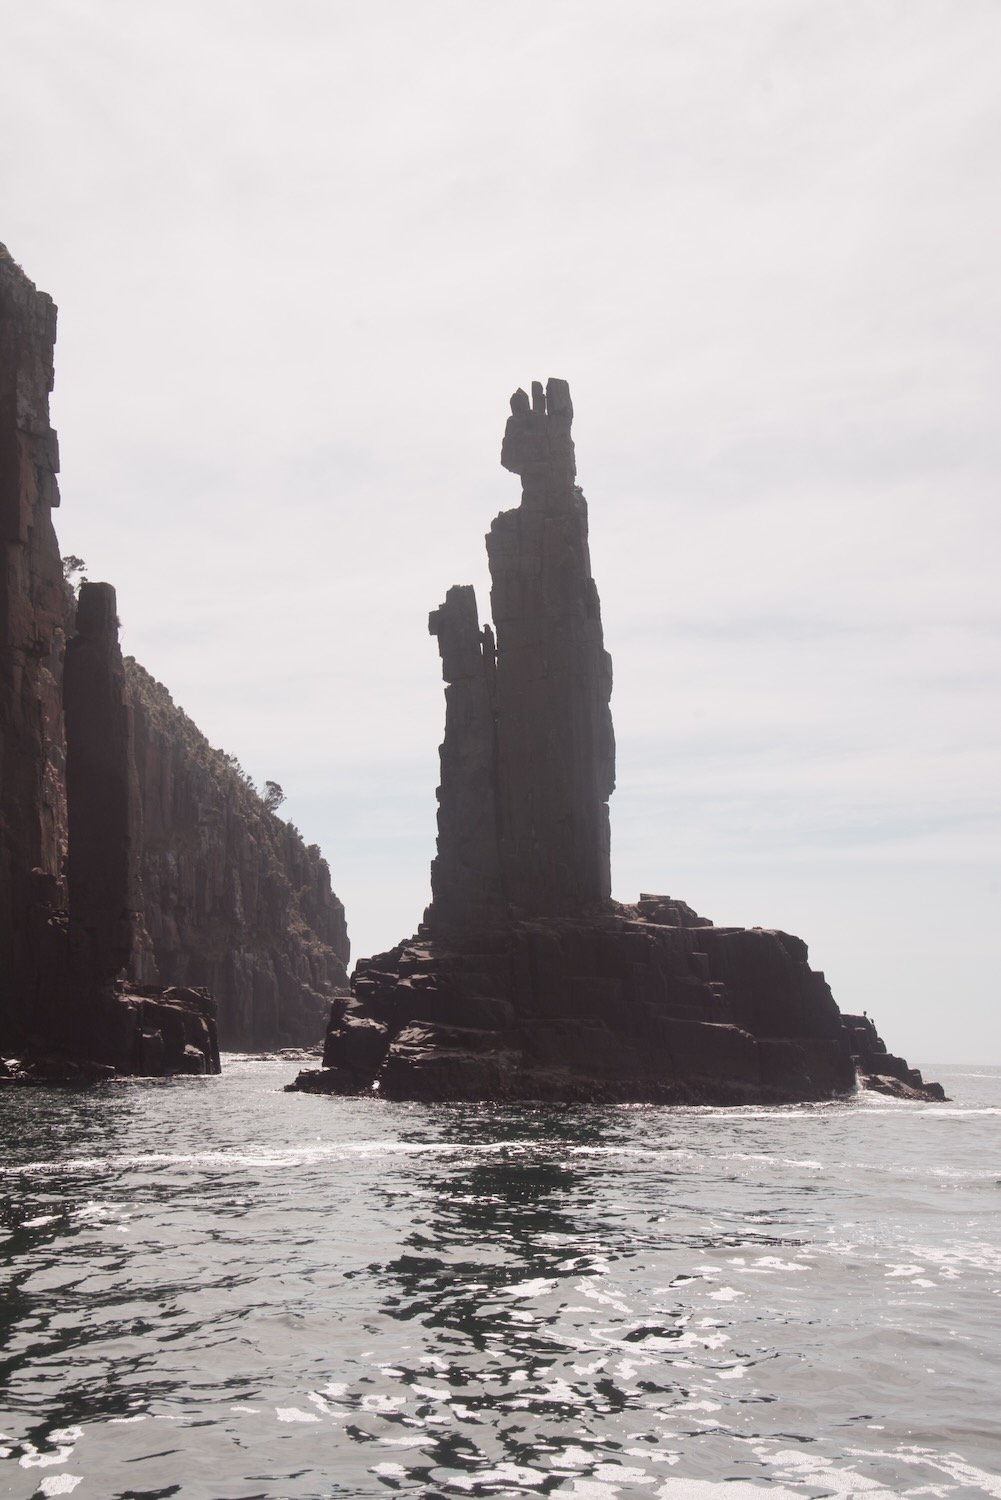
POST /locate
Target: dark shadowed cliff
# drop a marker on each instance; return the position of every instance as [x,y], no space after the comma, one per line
[132,854]
[32,794]
[233,899]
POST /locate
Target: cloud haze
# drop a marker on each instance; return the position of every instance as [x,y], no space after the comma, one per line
[302,258]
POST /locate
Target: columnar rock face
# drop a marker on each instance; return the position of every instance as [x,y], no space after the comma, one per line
[528,760]
[232,897]
[466,887]
[555,748]
[82,1022]
[101,791]
[235,899]
[526,980]
[31,621]
[657,1005]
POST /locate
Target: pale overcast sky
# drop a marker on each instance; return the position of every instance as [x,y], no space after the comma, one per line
[304,253]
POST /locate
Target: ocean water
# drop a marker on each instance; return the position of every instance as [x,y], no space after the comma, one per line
[214,1289]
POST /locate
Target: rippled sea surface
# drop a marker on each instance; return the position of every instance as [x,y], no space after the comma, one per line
[215,1289]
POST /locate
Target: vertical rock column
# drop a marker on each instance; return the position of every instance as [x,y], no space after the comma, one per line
[465,875]
[31,619]
[102,795]
[555,746]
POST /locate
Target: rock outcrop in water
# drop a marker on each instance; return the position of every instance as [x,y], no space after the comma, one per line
[525,979]
[137,866]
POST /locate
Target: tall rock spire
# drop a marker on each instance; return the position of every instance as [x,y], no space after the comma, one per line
[555,746]
[526,980]
[528,759]
[102,795]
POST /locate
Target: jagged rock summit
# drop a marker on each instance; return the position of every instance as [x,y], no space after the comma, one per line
[528,760]
[525,979]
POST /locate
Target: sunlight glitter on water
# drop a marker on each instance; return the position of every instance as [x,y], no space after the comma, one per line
[315,1297]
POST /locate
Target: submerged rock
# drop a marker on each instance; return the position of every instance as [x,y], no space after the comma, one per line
[525,979]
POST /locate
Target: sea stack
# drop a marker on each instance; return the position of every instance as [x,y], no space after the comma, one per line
[526,980]
[528,760]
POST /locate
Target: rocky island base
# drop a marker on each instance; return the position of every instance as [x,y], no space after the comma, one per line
[152,1034]
[648,1003]
[526,980]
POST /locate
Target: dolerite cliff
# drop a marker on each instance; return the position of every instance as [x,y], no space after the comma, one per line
[32,799]
[232,897]
[84,990]
[525,979]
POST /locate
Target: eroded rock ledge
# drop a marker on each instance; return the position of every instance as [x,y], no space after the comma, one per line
[525,980]
[645,1003]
